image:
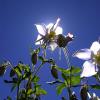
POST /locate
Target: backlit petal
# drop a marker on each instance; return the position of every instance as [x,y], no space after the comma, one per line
[58,30]
[95,47]
[84,54]
[41,29]
[53,46]
[38,41]
[56,24]
[88,69]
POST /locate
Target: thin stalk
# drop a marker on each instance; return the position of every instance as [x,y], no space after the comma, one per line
[65,50]
[18,91]
[33,78]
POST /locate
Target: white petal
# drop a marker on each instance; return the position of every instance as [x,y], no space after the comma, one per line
[95,47]
[53,46]
[40,41]
[88,69]
[58,30]
[41,29]
[49,26]
[84,54]
[56,24]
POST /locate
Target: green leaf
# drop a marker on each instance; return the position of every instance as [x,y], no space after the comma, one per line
[73,70]
[41,58]
[75,80]
[18,71]
[97,86]
[40,91]
[60,88]
[64,76]
[30,91]
[35,79]
[9,98]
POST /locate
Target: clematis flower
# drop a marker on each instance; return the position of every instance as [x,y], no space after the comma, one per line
[92,59]
[48,33]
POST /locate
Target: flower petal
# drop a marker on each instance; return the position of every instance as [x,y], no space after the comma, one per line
[88,69]
[49,27]
[58,30]
[56,24]
[95,47]
[84,54]
[41,29]
[53,46]
[38,40]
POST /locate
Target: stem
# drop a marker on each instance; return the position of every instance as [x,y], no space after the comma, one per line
[29,81]
[65,50]
[18,91]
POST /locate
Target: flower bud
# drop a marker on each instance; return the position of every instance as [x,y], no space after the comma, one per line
[54,72]
[2,70]
[34,58]
[83,92]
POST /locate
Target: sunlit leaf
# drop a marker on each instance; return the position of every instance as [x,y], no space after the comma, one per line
[35,79]
[75,80]
[18,71]
[30,91]
[72,70]
[41,92]
[60,88]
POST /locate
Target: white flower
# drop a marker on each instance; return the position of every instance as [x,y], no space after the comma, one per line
[92,57]
[47,34]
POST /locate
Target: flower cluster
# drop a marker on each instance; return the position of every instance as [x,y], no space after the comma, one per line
[51,35]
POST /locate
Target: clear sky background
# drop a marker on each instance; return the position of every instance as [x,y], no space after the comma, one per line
[18,33]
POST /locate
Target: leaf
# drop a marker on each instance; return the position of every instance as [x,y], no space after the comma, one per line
[75,80]
[35,79]
[60,88]
[64,76]
[18,71]
[97,86]
[41,58]
[73,70]
[9,98]
[30,91]
[40,91]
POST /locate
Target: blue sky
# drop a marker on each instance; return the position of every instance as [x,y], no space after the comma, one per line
[18,33]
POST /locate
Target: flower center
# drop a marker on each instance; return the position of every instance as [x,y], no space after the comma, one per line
[51,35]
[97,57]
